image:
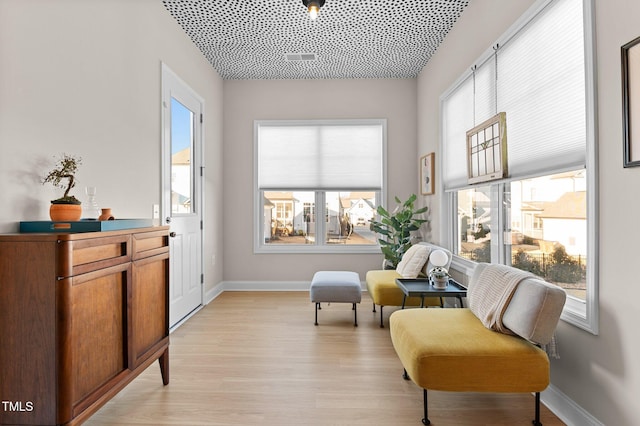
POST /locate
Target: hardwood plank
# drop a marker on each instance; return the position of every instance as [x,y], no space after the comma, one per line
[256,358]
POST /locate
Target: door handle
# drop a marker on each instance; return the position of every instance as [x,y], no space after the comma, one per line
[168,219]
[172,234]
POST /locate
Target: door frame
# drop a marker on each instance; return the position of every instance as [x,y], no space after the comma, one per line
[170,80]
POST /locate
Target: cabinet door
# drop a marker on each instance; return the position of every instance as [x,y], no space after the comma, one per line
[149,306]
[93,336]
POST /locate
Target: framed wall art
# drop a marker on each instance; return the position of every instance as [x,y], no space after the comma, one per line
[427,174]
[630,53]
[487,150]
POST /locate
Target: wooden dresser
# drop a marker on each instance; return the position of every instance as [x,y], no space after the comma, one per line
[81,315]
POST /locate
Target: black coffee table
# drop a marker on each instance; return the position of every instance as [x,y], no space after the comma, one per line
[421,287]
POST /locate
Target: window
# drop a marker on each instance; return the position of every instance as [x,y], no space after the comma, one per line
[318,184]
[541,217]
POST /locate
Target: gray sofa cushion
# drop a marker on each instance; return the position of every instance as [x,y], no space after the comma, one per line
[534,309]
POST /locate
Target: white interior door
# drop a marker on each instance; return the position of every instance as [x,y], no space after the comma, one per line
[182,170]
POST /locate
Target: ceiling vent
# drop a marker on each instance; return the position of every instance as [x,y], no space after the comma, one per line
[291,57]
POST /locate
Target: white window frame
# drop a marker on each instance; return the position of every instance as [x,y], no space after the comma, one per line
[581,313]
[321,245]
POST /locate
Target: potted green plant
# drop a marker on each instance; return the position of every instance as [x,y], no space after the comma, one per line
[395,229]
[67,207]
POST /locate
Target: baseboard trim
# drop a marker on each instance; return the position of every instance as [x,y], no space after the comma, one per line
[216,291]
[269,285]
[566,409]
[266,285]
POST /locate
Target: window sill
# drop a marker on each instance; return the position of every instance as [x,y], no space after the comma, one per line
[317,249]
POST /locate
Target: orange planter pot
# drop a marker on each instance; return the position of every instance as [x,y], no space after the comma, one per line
[65,212]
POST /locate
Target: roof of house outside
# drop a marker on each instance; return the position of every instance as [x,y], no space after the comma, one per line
[182,157]
[571,205]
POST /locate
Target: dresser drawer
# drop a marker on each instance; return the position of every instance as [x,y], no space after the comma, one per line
[82,256]
[146,244]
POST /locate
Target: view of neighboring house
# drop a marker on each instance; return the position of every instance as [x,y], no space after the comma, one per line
[279,217]
[567,225]
[292,214]
[361,207]
[544,212]
[552,211]
[181,181]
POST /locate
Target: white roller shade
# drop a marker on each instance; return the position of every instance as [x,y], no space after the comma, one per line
[457,117]
[538,78]
[541,86]
[320,156]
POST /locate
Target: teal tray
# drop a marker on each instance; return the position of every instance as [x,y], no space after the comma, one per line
[85,225]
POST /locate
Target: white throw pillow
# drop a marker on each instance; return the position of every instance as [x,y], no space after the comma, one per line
[413,261]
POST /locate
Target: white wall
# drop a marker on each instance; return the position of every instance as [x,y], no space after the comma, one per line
[246,101]
[599,373]
[83,78]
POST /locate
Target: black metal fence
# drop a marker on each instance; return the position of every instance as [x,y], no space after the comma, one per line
[557,267]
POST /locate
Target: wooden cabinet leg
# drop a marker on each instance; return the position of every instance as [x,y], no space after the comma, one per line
[164,366]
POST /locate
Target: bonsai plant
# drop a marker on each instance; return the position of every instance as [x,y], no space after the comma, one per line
[395,229]
[68,206]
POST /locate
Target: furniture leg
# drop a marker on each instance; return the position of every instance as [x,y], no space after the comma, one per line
[164,366]
[536,421]
[405,375]
[317,305]
[355,315]
[381,323]
[374,307]
[425,420]
[404,299]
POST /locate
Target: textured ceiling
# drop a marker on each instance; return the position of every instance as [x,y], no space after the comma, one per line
[249,39]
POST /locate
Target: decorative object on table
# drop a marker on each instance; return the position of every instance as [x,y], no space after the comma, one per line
[487,150]
[92,211]
[438,275]
[427,174]
[106,214]
[45,226]
[67,207]
[395,229]
[630,53]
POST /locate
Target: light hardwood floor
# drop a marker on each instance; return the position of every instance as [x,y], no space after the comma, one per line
[255,358]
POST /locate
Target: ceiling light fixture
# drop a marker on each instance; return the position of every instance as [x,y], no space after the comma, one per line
[313,7]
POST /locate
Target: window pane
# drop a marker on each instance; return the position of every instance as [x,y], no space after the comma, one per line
[348,215]
[474,224]
[182,134]
[289,217]
[549,229]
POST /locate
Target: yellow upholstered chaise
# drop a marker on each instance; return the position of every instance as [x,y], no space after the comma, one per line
[382,287]
[453,350]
